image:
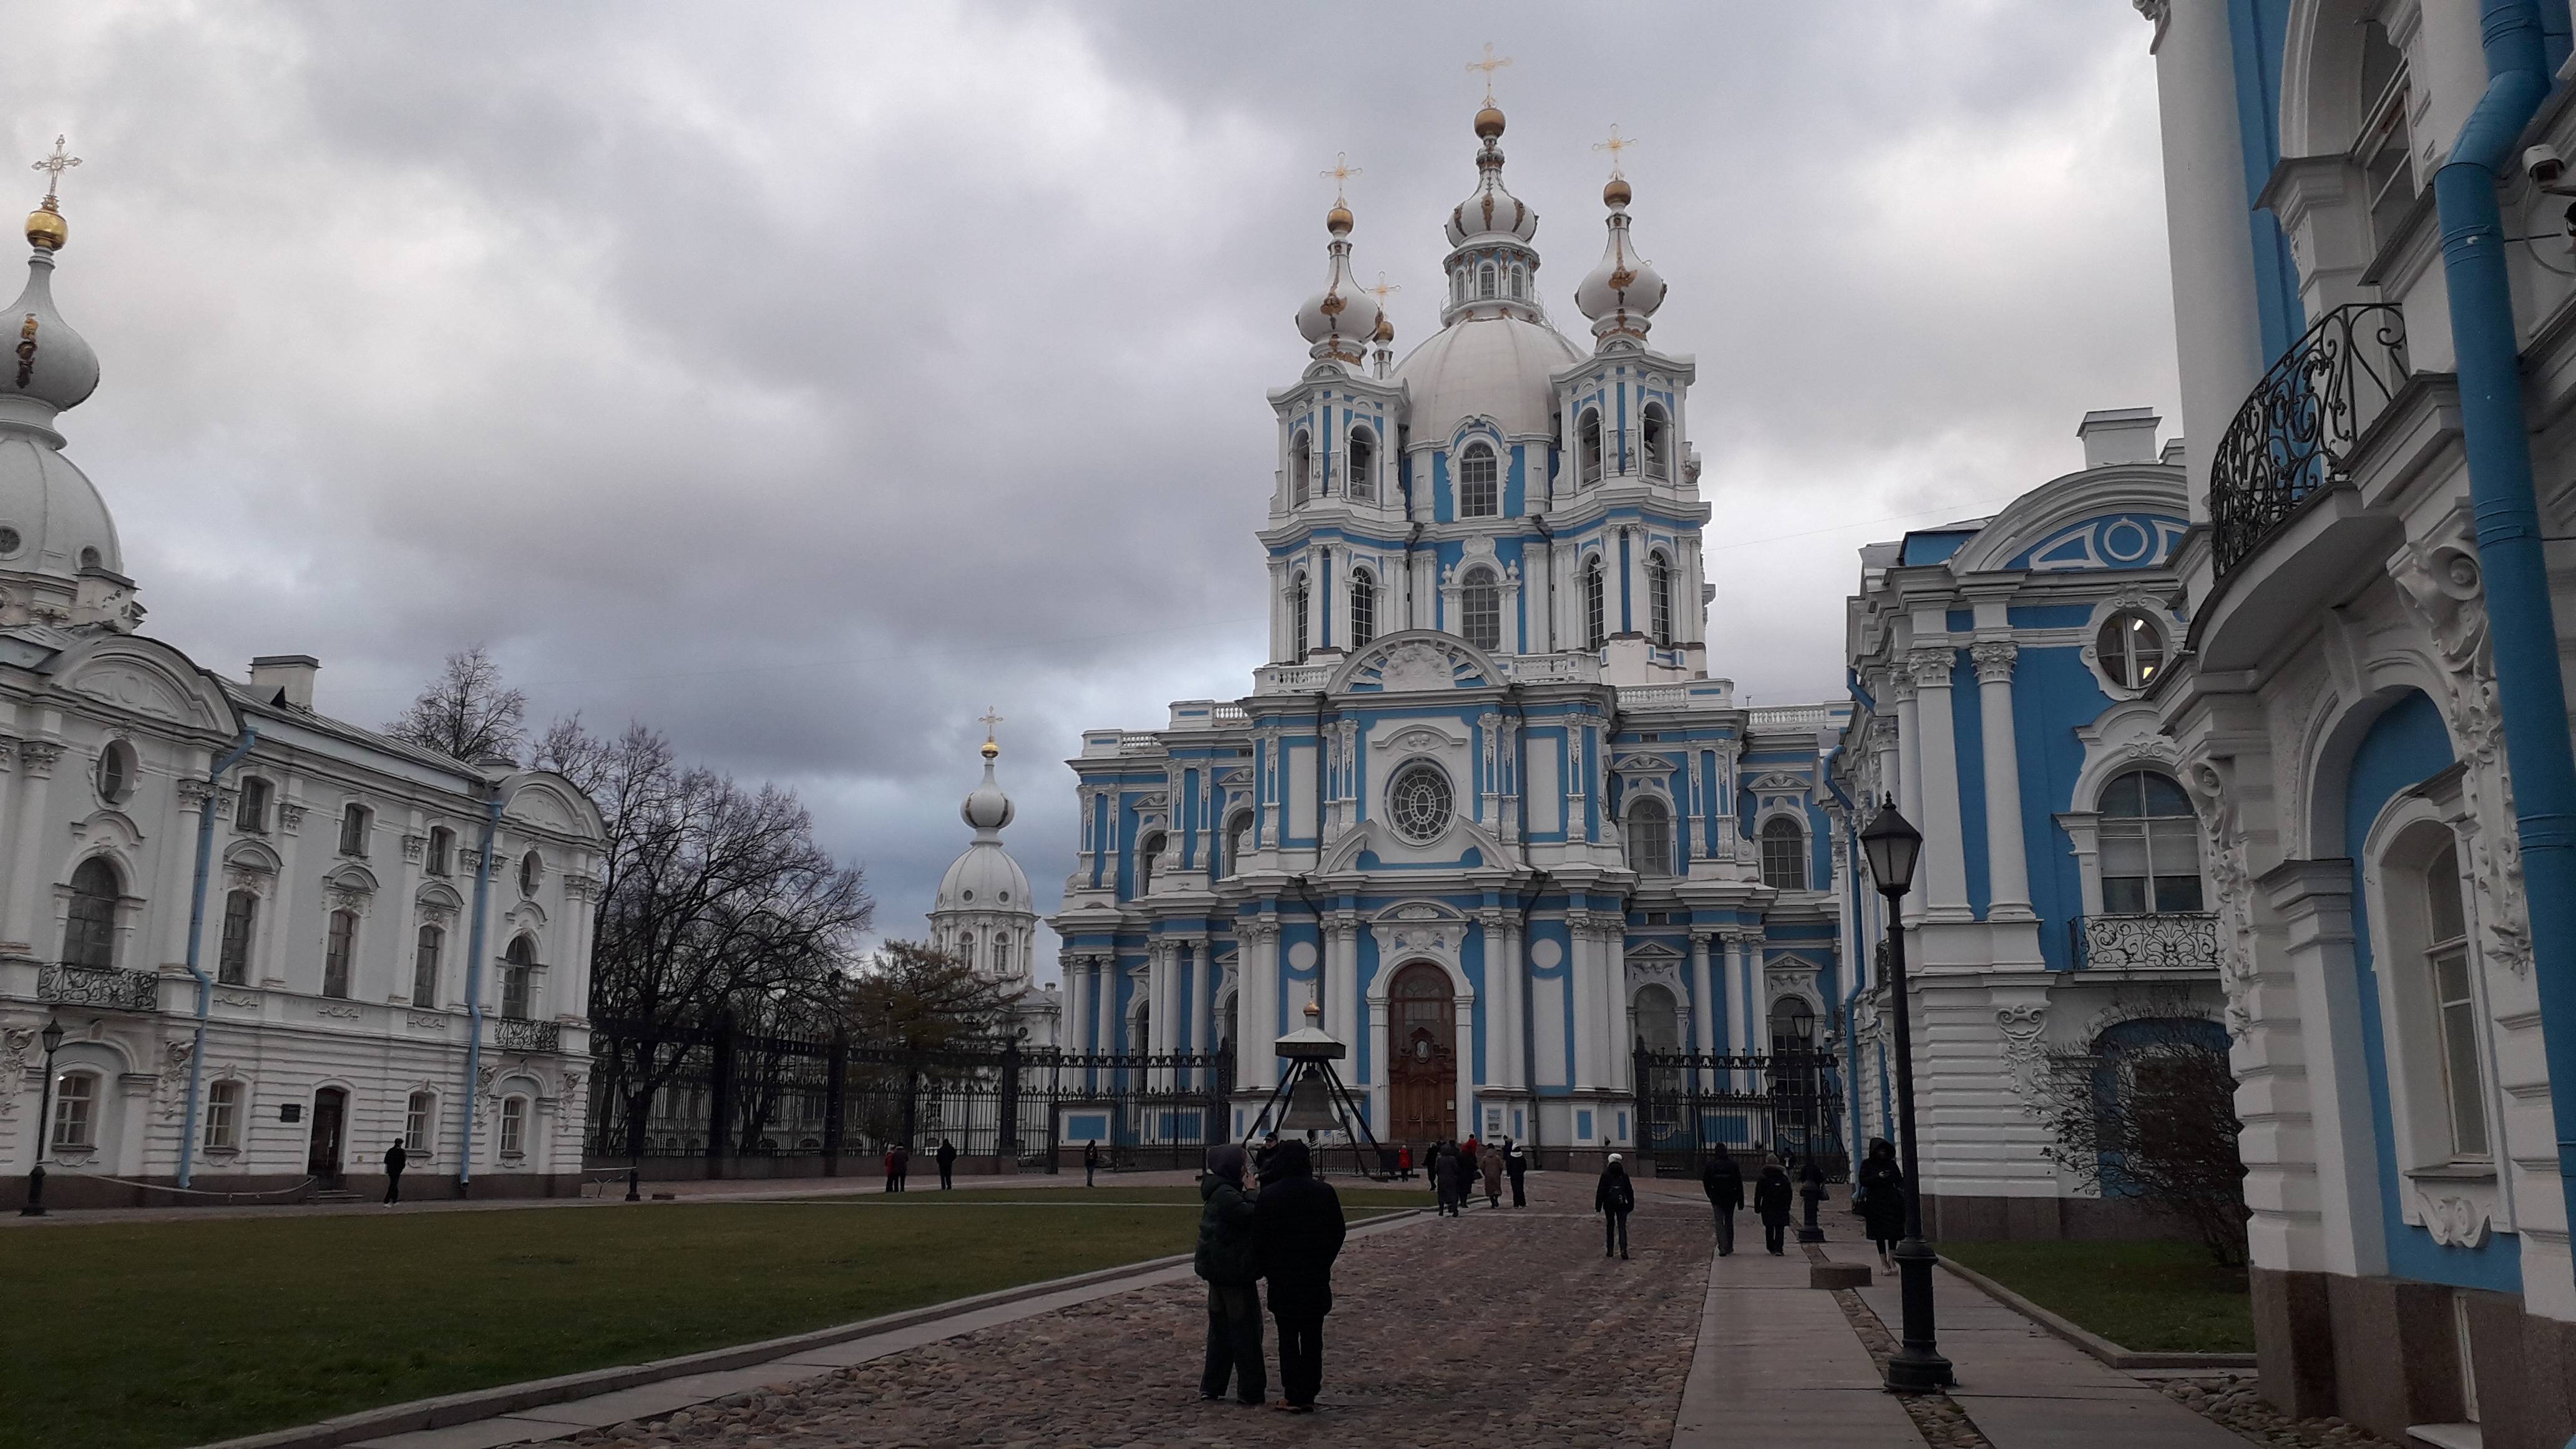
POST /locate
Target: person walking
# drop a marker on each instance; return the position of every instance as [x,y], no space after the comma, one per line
[1462,1179]
[395,1158]
[892,1183]
[1515,1164]
[1090,1160]
[1490,1162]
[902,1168]
[1297,1231]
[1614,1197]
[1771,1197]
[1225,1258]
[1441,1153]
[1723,1181]
[947,1163]
[1879,1193]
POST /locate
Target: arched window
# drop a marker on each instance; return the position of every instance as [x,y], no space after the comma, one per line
[1001,954]
[1596,633]
[1520,281]
[1793,1026]
[1301,469]
[2131,648]
[251,812]
[1659,1019]
[339,951]
[1650,836]
[1784,854]
[1363,608]
[441,851]
[353,830]
[232,953]
[89,928]
[1147,850]
[1659,599]
[2446,963]
[76,1112]
[514,1126]
[1588,446]
[1238,833]
[518,978]
[424,966]
[1297,601]
[1480,608]
[2150,846]
[1477,495]
[1140,1028]
[1485,280]
[1658,441]
[1363,464]
[532,872]
[116,771]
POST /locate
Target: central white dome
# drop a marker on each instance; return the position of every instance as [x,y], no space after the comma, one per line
[1495,365]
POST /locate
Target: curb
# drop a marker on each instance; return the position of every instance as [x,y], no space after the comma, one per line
[492,1403]
[2111,1354]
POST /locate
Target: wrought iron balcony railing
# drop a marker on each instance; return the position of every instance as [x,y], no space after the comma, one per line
[2295,435]
[104,986]
[2163,941]
[511,1034]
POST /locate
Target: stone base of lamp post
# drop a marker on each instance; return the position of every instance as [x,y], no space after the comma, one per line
[1917,1366]
[35,1207]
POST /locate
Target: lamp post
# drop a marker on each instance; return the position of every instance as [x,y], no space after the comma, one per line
[1803,1027]
[1893,846]
[52,1036]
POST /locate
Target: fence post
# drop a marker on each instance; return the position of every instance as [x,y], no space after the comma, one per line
[911,1096]
[1006,1138]
[1641,1076]
[1698,1123]
[836,1070]
[719,1093]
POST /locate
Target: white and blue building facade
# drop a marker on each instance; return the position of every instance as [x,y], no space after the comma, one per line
[2375,304]
[1484,806]
[1998,670]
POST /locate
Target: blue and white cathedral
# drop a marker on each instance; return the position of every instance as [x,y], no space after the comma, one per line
[1484,806]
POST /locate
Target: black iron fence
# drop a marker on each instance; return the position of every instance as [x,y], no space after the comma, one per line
[726,1092]
[1787,1102]
[2296,432]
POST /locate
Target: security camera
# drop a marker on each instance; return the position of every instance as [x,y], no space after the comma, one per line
[2545,165]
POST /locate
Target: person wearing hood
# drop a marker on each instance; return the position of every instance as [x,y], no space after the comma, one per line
[1614,1197]
[1723,1181]
[1490,1163]
[1771,1199]
[1227,1259]
[1297,1231]
[1879,1197]
[1515,1166]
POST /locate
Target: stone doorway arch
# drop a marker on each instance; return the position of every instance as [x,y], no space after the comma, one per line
[1422,1055]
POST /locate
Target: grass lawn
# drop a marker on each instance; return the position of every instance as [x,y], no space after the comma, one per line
[2164,1297]
[141,1335]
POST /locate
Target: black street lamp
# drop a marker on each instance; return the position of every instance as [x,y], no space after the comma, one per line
[1917,1367]
[52,1036]
[1802,1027]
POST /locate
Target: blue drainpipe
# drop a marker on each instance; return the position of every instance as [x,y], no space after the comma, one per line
[2520,622]
[196,933]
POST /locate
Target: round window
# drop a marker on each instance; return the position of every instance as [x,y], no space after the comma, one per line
[1418,802]
[10,540]
[2131,648]
[968,893]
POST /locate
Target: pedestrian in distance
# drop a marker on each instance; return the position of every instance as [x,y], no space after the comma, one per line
[395,1158]
[947,1163]
[1771,1197]
[1614,1197]
[1297,1231]
[893,1183]
[1515,1166]
[1460,1170]
[1090,1160]
[1226,1259]
[1404,1161]
[1879,1194]
[1723,1180]
[1490,1163]
[1436,1167]
[902,1168]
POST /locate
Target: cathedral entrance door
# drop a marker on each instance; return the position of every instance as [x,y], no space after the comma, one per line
[1422,1055]
[322,1150]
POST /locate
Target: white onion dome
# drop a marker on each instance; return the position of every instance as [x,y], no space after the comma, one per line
[1338,321]
[48,362]
[1496,365]
[985,878]
[986,807]
[1492,210]
[1622,293]
[52,521]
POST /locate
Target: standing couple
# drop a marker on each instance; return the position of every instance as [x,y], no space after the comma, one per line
[1288,1231]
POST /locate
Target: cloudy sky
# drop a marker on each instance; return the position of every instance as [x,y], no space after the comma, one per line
[804,378]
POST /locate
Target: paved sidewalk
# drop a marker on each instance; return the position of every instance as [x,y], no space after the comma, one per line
[1778,1366]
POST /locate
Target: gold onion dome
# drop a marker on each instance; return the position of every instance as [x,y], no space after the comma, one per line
[1385,330]
[46,228]
[991,750]
[1616,193]
[1489,122]
[1338,220]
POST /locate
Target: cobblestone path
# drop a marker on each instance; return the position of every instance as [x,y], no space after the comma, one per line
[1498,1327]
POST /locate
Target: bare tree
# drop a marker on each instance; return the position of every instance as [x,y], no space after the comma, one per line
[465,713]
[2151,1117]
[911,995]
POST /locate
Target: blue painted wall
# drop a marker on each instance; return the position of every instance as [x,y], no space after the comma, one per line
[2053,693]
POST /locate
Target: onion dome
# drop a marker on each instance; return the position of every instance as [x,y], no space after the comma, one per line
[985,878]
[1492,210]
[1622,293]
[57,539]
[986,807]
[48,362]
[1338,321]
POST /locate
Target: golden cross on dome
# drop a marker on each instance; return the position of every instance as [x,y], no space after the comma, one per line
[54,166]
[1490,64]
[988,720]
[1381,290]
[1616,144]
[1340,175]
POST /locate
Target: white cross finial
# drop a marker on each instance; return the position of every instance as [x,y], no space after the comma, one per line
[1382,289]
[1616,144]
[1490,64]
[54,166]
[988,720]
[1341,172]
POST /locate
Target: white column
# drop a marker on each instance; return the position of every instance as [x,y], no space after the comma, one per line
[1703,1005]
[1104,1003]
[2217,331]
[1255,1002]
[193,797]
[1739,996]
[1945,867]
[1465,1036]
[1341,999]
[1588,1026]
[1503,984]
[1623,1060]
[30,871]
[1202,996]
[2007,872]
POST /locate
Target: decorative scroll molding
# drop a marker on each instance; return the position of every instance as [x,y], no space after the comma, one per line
[2455,1222]
[2025,1054]
[2231,886]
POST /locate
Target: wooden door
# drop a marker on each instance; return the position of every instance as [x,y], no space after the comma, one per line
[1422,1056]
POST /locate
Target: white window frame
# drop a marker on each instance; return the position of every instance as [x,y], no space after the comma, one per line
[1762,835]
[512,1139]
[420,1122]
[76,1110]
[223,1115]
[1479,580]
[2400,845]
[1490,496]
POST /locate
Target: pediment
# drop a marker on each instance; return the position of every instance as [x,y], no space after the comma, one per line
[1642,765]
[1416,661]
[1776,783]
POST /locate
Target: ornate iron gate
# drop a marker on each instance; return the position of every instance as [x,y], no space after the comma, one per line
[1787,1102]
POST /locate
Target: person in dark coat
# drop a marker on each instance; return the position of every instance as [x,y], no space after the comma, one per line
[1723,1180]
[1514,1165]
[1090,1160]
[1297,1231]
[1462,1179]
[1444,1180]
[893,1184]
[1771,1200]
[1226,1259]
[902,1167]
[1880,1193]
[1489,1163]
[395,1157]
[947,1163]
[1614,1197]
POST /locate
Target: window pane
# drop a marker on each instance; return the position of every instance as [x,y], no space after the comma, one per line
[2124,895]
[2460,1054]
[2178,893]
[232,957]
[2447,920]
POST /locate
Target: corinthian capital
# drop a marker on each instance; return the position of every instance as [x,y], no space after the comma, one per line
[1930,668]
[1994,660]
